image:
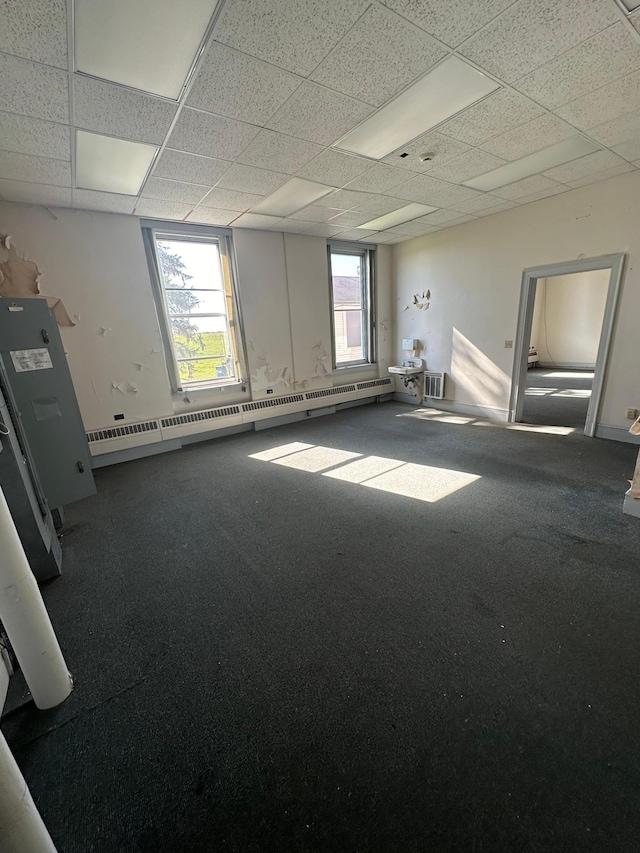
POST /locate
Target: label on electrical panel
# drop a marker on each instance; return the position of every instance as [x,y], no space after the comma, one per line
[31,359]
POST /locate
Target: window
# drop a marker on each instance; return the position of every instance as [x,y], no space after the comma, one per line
[351,299]
[197,299]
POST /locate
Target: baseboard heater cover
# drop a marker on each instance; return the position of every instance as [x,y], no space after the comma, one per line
[110,439]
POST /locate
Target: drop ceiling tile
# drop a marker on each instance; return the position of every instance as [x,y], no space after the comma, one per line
[350,219]
[474,205]
[162,209]
[326,230]
[618,130]
[527,186]
[27,193]
[256,220]
[356,233]
[334,168]
[629,150]
[613,172]
[105,202]
[380,239]
[118,111]
[594,63]
[411,229]
[279,152]
[36,170]
[605,104]
[496,114]
[174,191]
[293,226]
[344,199]
[378,179]
[534,32]
[318,114]
[296,36]
[212,136]
[230,199]
[378,57]
[442,147]
[532,136]
[447,198]
[439,217]
[381,204]
[506,205]
[212,215]
[314,213]
[462,219]
[398,239]
[452,22]
[35,29]
[233,84]
[190,168]
[635,19]
[33,90]
[561,188]
[26,135]
[467,165]
[589,165]
[248,179]
[421,188]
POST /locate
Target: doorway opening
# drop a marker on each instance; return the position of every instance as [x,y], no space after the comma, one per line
[562,342]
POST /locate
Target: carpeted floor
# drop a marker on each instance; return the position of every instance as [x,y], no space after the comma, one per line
[556,396]
[270,660]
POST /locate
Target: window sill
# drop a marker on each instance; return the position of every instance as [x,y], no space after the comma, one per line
[205,390]
[366,365]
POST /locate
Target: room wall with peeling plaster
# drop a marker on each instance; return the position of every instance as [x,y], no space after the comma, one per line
[474,272]
[95,262]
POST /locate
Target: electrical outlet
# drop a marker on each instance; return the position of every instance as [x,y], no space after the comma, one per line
[632,414]
[508,344]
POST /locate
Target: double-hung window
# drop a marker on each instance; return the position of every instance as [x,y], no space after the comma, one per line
[351,273]
[196,295]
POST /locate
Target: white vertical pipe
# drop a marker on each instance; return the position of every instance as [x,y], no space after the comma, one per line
[27,622]
[21,827]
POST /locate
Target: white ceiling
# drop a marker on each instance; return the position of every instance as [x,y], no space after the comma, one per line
[279,82]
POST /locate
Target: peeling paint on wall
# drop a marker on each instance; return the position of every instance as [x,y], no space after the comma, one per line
[123,388]
[322,358]
[20,279]
[266,379]
[421,300]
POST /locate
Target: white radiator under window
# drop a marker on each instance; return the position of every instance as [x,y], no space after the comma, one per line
[434,385]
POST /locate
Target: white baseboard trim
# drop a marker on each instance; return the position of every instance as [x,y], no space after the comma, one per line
[631,506]
[615,433]
[566,365]
[488,412]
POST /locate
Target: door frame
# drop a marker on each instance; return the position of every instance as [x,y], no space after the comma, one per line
[530,276]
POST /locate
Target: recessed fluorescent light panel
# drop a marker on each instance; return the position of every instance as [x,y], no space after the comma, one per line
[533,164]
[397,217]
[292,196]
[448,88]
[111,165]
[630,5]
[146,44]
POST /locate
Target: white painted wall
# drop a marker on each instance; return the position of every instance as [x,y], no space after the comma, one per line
[96,263]
[567,318]
[474,272]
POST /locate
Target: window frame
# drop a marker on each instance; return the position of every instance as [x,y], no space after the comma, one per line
[368,279]
[154,230]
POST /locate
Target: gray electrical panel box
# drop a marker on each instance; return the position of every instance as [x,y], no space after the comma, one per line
[37,386]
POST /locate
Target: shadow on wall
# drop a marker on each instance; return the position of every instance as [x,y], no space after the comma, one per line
[484,383]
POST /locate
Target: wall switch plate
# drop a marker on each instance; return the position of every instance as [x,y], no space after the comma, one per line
[508,344]
[632,414]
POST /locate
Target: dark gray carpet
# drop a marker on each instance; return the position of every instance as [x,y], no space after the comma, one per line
[272,661]
[557,399]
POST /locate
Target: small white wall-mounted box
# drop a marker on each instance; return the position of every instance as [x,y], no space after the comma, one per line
[409,344]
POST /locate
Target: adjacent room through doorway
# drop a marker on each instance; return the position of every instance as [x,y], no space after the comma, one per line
[565,336]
